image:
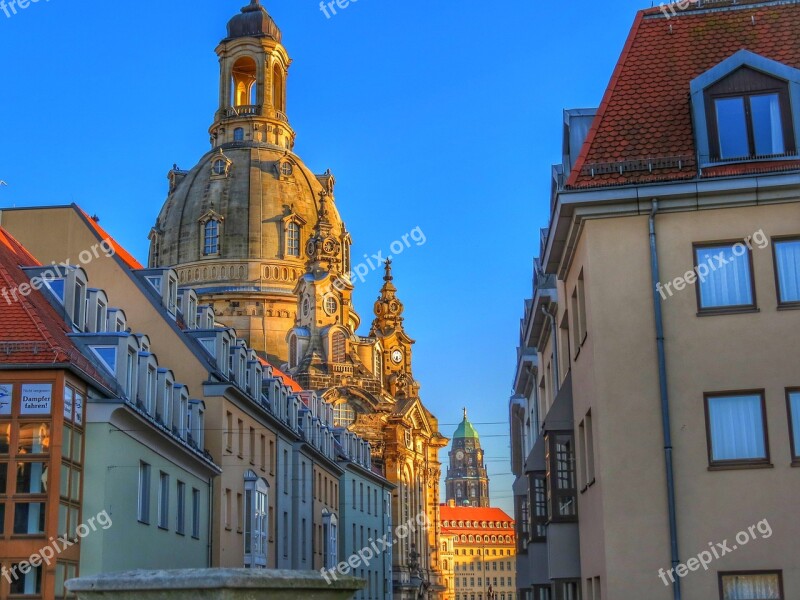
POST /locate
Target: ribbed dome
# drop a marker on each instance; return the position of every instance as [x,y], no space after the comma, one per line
[254,21]
[263,190]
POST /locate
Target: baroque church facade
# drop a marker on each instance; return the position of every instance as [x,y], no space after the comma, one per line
[467,481]
[259,237]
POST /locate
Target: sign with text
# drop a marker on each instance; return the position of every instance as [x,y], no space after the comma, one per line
[68,404]
[37,399]
[6,390]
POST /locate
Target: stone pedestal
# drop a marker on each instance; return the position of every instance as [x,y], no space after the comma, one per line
[214,584]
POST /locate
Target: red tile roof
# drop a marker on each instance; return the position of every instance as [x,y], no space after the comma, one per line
[126,257]
[646,111]
[287,381]
[31,331]
[472,513]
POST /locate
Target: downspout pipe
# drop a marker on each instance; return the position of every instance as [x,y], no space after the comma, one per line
[664,393]
[554,331]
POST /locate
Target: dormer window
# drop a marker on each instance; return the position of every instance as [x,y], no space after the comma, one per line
[293,239]
[750,116]
[746,108]
[220,167]
[211,238]
[57,287]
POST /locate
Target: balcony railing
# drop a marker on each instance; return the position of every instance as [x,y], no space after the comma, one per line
[243,111]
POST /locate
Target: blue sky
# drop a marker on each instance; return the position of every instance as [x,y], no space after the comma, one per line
[441,115]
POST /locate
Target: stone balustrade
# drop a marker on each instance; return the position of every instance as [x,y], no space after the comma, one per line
[214,584]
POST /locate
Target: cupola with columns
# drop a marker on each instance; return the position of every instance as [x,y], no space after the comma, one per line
[252,91]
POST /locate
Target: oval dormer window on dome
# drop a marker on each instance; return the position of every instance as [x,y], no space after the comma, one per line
[220,167]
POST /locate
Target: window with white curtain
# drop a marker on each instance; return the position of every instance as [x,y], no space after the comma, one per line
[793,398]
[787,268]
[737,428]
[725,277]
[751,586]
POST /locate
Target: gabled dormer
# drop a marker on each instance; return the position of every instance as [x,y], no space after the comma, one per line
[746,108]
[164,285]
[188,306]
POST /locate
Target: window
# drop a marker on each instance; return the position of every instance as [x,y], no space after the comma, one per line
[78,304]
[736,427]
[749,115]
[196,513]
[238,134]
[255,521]
[343,415]
[568,590]
[27,582]
[29,518]
[725,273]
[180,520]
[793,405]
[561,477]
[586,446]
[211,238]
[331,305]
[756,585]
[787,270]
[293,239]
[539,508]
[220,167]
[338,347]
[144,493]
[163,501]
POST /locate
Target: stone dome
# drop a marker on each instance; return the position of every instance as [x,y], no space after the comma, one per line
[253,21]
[255,191]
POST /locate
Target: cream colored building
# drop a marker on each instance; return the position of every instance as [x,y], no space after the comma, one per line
[655,411]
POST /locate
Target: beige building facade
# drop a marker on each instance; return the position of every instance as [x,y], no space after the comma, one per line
[655,406]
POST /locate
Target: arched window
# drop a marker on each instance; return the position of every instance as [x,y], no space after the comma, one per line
[378,364]
[343,415]
[277,89]
[243,82]
[211,237]
[293,239]
[338,347]
[293,351]
[238,134]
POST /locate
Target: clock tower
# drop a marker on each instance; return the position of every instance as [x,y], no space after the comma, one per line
[467,482]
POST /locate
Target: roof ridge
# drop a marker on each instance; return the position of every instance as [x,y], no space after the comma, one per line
[610,90]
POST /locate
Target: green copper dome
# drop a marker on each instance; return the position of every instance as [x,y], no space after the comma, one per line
[465,429]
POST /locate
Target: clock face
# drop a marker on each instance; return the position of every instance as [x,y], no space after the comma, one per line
[460,455]
[397,357]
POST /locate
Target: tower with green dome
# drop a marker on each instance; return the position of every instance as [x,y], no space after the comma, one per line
[467,482]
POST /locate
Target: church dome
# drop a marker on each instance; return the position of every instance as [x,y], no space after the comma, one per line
[254,21]
[256,192]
